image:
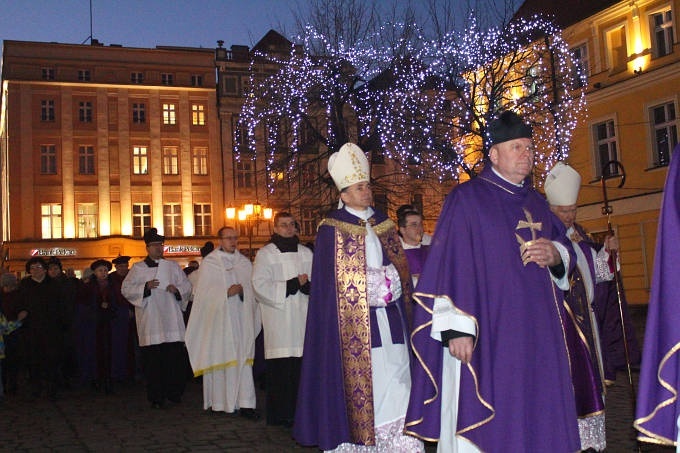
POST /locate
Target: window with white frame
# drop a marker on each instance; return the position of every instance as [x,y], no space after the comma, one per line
[47,110]
[664,124]
[170,160]
[617,48]
[167,78]
[141,218]
[202,219]
[606,148]
[138,112]
[172,219]
[86,165]
[85,111]
[50,218]
[198,115]
[137,77]
[47,73]
[84,75]
[199,160]
[169,114]
[244,175]
[580,64]
[140,160]
[87,220]
[48,159]
[661,28]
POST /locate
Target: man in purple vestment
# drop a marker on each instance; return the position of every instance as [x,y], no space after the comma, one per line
[492,372]
[410,223]
[657,402]
[562,186]
[355,377]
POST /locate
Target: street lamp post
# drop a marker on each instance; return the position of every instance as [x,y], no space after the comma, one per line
[252,214]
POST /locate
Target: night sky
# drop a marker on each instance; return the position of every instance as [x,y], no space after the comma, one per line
[145,23]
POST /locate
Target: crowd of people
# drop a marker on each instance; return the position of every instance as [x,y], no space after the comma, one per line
[493,334]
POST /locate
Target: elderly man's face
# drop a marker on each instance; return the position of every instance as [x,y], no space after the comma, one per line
[567,214]
[513,159]
[358,196]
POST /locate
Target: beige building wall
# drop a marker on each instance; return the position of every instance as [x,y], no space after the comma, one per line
[627,79]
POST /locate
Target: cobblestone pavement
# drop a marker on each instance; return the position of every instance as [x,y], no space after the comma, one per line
[82,420]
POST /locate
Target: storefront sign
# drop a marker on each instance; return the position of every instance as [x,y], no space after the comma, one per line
[53,251]
[181,250]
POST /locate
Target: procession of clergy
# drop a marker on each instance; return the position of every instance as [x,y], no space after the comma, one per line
[487,336]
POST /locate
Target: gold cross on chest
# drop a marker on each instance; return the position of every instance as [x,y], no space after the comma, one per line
[528,223]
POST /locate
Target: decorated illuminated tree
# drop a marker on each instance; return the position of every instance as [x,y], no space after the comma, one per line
[422,105]
[524,66]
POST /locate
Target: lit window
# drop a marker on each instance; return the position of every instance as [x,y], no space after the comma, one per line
[137,77]
[84,75]
[138,113]
[167,79]
[87,220]
[86,160]
[172,219]
[48,160]
[140,160]
[606,148]
[617,48]
[202,219]
[199,161]
[169,114]
[47,110]
[661,26]
[85,112]
[664,132]
[50,217]
[198,115]
[170,160]
[141,218]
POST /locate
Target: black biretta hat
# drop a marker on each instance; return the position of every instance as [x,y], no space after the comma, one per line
[508,126]
[152,235]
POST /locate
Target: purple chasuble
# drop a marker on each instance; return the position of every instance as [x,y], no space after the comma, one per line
[657,404]
[335,402]
[516,394]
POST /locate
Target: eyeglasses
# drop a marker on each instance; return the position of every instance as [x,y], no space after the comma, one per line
[229,237]
[36,266]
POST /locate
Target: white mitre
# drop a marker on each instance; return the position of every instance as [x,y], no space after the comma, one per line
[348,166]
[562,185]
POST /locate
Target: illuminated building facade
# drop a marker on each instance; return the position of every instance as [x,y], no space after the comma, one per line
[630,54]
[100,143]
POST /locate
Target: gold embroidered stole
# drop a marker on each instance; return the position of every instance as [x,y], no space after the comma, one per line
[355,333]
[353,316]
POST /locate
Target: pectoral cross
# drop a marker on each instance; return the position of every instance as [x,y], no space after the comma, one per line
[533,227]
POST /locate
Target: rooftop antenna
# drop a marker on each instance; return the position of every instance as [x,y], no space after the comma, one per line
[89,37]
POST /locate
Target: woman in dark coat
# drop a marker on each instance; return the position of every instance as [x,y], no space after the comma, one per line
[100,304]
